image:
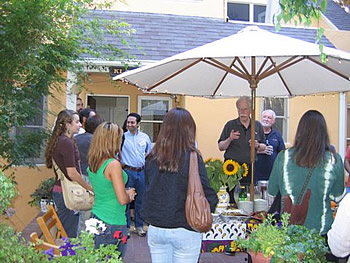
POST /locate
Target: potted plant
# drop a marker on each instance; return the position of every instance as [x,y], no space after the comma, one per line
[274,241]
[226,174]
[42,196]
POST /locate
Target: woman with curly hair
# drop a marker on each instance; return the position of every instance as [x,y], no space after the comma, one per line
[61,148]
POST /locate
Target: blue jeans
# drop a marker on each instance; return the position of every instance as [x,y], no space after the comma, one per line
[106,238]
[173,245]
[68,218]
[136,180]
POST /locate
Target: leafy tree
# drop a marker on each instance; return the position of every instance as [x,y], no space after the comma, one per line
[303,12]
[40,41]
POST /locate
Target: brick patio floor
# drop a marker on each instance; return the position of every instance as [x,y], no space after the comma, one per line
[137,252]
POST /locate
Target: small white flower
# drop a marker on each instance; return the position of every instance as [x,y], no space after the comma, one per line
[94,226]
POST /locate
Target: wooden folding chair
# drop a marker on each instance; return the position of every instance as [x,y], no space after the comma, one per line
[40,244]
[52,230]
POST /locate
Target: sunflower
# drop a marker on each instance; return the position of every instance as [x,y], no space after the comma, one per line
[230,167]
[207,161]
[245,168]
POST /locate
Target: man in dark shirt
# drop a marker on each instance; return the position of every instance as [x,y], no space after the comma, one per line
[235,138]
[274,144]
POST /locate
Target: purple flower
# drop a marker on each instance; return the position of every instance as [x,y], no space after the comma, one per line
[67,248]
[49,252]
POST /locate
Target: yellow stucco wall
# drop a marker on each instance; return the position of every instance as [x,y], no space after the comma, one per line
[328,105]
[27,181]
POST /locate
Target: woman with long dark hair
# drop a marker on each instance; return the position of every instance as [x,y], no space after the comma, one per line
[61,148]
[170,238]
[314,158]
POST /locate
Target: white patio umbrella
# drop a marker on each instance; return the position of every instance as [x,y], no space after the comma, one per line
[252,62]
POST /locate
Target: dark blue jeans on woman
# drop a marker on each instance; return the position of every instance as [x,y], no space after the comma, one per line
[68,218]
[106,238]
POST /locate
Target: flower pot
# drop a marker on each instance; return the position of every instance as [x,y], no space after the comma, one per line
[44,203]
[224,199]
[259,257]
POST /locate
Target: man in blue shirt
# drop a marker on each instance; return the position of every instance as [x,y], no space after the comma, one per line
[274,144]
[135,147]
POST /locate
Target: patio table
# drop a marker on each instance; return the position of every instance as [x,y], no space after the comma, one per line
[223,234]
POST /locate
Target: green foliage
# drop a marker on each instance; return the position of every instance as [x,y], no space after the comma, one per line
[217,176]
[7,193]
[83,247]
[14,248]
[286,243]
[40,41]
[44,191]
[303,12]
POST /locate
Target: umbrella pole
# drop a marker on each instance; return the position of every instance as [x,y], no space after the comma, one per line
[252,137]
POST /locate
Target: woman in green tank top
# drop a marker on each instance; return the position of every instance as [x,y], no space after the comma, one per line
[108,181]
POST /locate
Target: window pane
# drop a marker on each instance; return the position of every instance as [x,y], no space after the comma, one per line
[114,109]
[30,135]
[259,13]
[154,110]
[152,129]
[238,12]
[37,120]
[279,125]
[275,104]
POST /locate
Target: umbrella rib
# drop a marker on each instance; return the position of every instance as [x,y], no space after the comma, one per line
[174,74]
[273,63]
[222,66]
[287,63]
[328,68]
[243,67]
[263,65]
[223,78]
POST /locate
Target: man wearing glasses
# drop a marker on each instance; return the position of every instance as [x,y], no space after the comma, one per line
[235,138]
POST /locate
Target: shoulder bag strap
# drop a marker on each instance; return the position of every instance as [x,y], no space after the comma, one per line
[58,171]
[302,191]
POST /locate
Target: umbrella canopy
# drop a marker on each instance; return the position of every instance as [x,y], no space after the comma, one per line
[252,62]
[280,65]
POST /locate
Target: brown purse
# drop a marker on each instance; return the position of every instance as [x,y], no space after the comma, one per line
[197,207]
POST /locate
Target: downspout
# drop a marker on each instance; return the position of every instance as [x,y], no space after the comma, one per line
[342,124]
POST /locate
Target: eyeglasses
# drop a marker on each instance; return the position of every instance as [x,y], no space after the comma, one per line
[243,109]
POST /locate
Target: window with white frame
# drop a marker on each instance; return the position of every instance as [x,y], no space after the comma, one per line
[152,110]
[35,125]
[279,106]
[247,12]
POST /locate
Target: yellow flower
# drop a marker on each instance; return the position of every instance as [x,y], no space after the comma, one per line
[230,167]
[207,160]
[245,168]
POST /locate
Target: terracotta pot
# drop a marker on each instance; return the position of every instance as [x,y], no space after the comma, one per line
[259,257]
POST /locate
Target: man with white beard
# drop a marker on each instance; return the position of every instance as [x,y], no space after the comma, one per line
[274,144]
